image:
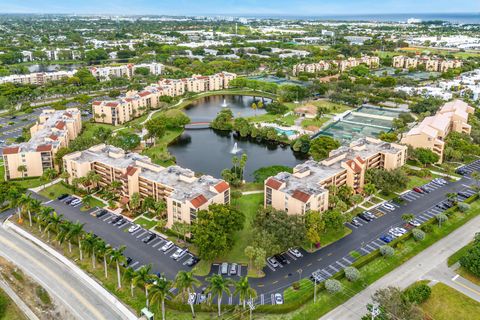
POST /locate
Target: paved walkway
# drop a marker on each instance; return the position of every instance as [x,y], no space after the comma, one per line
[252,192]
[422,266]
[40,188]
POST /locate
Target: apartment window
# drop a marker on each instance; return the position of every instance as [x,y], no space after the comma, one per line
[226,197]
[268,197]
[193,214]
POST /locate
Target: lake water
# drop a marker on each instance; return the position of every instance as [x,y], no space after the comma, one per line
[208,151]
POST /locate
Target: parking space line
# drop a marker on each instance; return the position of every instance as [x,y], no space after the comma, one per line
[365,250]
[341,265]
[134,264]
[108,218]
[326,272]
[369,246]
[144,231]
[138,268]
[332,267]
[156,244]
[348,261]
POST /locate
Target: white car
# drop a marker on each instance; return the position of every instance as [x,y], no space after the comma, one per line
[167,246]
[134,228]
[273,262]
[388,206]
[75,202]
[395,232]
[179,253]
[414,223]
[278,298]
[295,253]
[401,230]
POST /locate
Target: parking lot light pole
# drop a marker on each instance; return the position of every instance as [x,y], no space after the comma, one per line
[251,306]
[299,274]
[315,290]
[191,302]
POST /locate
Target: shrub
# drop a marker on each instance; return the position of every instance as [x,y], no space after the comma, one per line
[418,234]
[441,218]
[352,274]
[427,228]
[355,254]
[418,293]
[387,251]
[333,286]
[463,207]
[3,304]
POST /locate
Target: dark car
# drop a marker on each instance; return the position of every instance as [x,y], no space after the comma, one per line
[192,261]
[121,222]
[364,217]
[425,189]
[127,261]
[115,220]
[70,200]
[461,171]
[101,213]
[280,258]
[149,238]
[63,196]
[462,194]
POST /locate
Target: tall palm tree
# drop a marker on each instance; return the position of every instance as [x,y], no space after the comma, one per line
[217,286]
[143,277]
[63,230]
[117,257]
[244,290]
[128,275]
[42,217]
[54,221]
[33,206]
[76,232]
[89,243]
[159,291]
[103,251]
[23,203]
[186,282]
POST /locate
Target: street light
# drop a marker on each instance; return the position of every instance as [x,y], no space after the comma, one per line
[299,274]
[251,306]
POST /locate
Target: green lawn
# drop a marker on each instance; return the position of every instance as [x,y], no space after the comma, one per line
[145,223]
[316,122]
[56,190]
[446,303]
[8,308]
[29,182]
[457,255]
[248,204]
[415,181]
[333,108]
[93,203]
[159,152]
[468,275]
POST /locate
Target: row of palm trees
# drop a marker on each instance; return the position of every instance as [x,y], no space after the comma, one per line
[157,288]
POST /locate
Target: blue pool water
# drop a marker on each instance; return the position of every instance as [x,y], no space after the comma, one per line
[288,133]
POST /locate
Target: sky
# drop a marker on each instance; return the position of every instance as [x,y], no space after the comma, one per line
[239,7]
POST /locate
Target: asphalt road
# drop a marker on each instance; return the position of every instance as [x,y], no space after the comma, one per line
[65,286]
[327,261]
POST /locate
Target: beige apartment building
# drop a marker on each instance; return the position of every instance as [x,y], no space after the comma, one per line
[311,67]
[38,78]
[307,187]
[432,131]
[184,193]
[370,61]
[432,64]
[54,130]
[134,104]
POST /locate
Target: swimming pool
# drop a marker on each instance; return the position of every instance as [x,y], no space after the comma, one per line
[288,133]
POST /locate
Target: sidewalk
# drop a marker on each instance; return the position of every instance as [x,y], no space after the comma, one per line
[40,188]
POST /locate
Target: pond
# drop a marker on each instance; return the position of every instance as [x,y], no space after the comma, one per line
[209,151]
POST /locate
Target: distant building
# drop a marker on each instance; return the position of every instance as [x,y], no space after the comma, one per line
[431,64]
[432,131]
[183,192]
[54,130]
[124,71]
[307,187]
[37,78]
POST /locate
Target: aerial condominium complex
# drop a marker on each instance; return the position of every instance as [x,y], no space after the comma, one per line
[53,130]
[37,78]
[430,63]
[307,187]
[183,192]
[432,131]
[125,71]
[135,103]
[370,61]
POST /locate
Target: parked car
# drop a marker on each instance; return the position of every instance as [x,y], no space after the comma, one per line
[179,253]
[364,217]
[75,202]
[418,190]
[295,253]
[134,228]
[233,269]
[191,261]
[395,232]
[425,189]
[274,263]
[63,196]
[356,222]
[278,298]
[149,237]
[386,238]
[115,220]
[127,262]
[280,258]
[388,206]
[401,230]
[461,171]
[121,222]
[370,215]
[101,213]
[69,200]
[224,268]
[167,246]
[414,223]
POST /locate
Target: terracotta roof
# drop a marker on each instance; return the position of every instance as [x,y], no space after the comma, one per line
[300,195]
[144,93]
[44,147]
[128,99]
[67,114]
[222,186]
[60,125]
[198,201]
[354,166]
[97,103]
[274,184]
[360,159]
[131,171]
[11,150]
[111,104]
[53,137]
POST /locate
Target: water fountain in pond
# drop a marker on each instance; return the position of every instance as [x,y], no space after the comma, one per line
[235,149]
[224,104]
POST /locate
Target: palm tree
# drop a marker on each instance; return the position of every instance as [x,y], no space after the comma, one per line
[217,286]
[54,221]
[42,217]
[23,203]
[63,230]
[34,205]
[407,217]
[244,290]
[129,275]
[117,257]
[186,282]
[89,243]
[103,250]
[159,291]
[22,169]
[476,176]
[76,232]
[143,277]
[48,175]
[87,200]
